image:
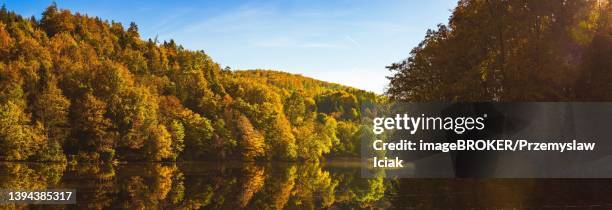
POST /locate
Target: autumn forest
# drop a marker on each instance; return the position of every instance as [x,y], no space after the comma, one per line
[79,88]
[131,122]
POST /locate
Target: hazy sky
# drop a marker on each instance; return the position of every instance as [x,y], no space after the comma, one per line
[346,41]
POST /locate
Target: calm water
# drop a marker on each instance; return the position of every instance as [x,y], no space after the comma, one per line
[335,185]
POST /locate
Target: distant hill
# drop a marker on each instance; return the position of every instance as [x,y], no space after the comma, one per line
[288,82]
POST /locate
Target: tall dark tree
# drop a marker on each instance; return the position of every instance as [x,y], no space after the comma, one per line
[508,51]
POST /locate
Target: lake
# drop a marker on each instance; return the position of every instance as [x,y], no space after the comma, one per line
[276,185]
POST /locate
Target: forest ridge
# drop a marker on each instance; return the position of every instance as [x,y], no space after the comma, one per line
[82,88]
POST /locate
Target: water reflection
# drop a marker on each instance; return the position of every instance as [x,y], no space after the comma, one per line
[234,185]
[237,185]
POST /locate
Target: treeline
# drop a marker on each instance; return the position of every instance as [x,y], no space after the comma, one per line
[532,50]
[83,88]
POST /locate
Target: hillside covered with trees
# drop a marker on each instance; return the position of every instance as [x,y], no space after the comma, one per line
[79,87]
[532,50]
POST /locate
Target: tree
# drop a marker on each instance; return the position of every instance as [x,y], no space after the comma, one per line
[347,141]
[251,141]
[51,109]
[5,41]
[55,21]
[340,104]
[177,132]
[191,132]
[93,133]
[327,135]
[486,53]
[198,133]
[282,139]
[19,140]
[158,143]
[314,139]
[135,113]
[132,37]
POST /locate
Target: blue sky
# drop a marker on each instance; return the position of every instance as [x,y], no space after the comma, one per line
[344,41]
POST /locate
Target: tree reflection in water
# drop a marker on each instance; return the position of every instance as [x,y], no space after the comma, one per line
[240,185]
[196,185]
